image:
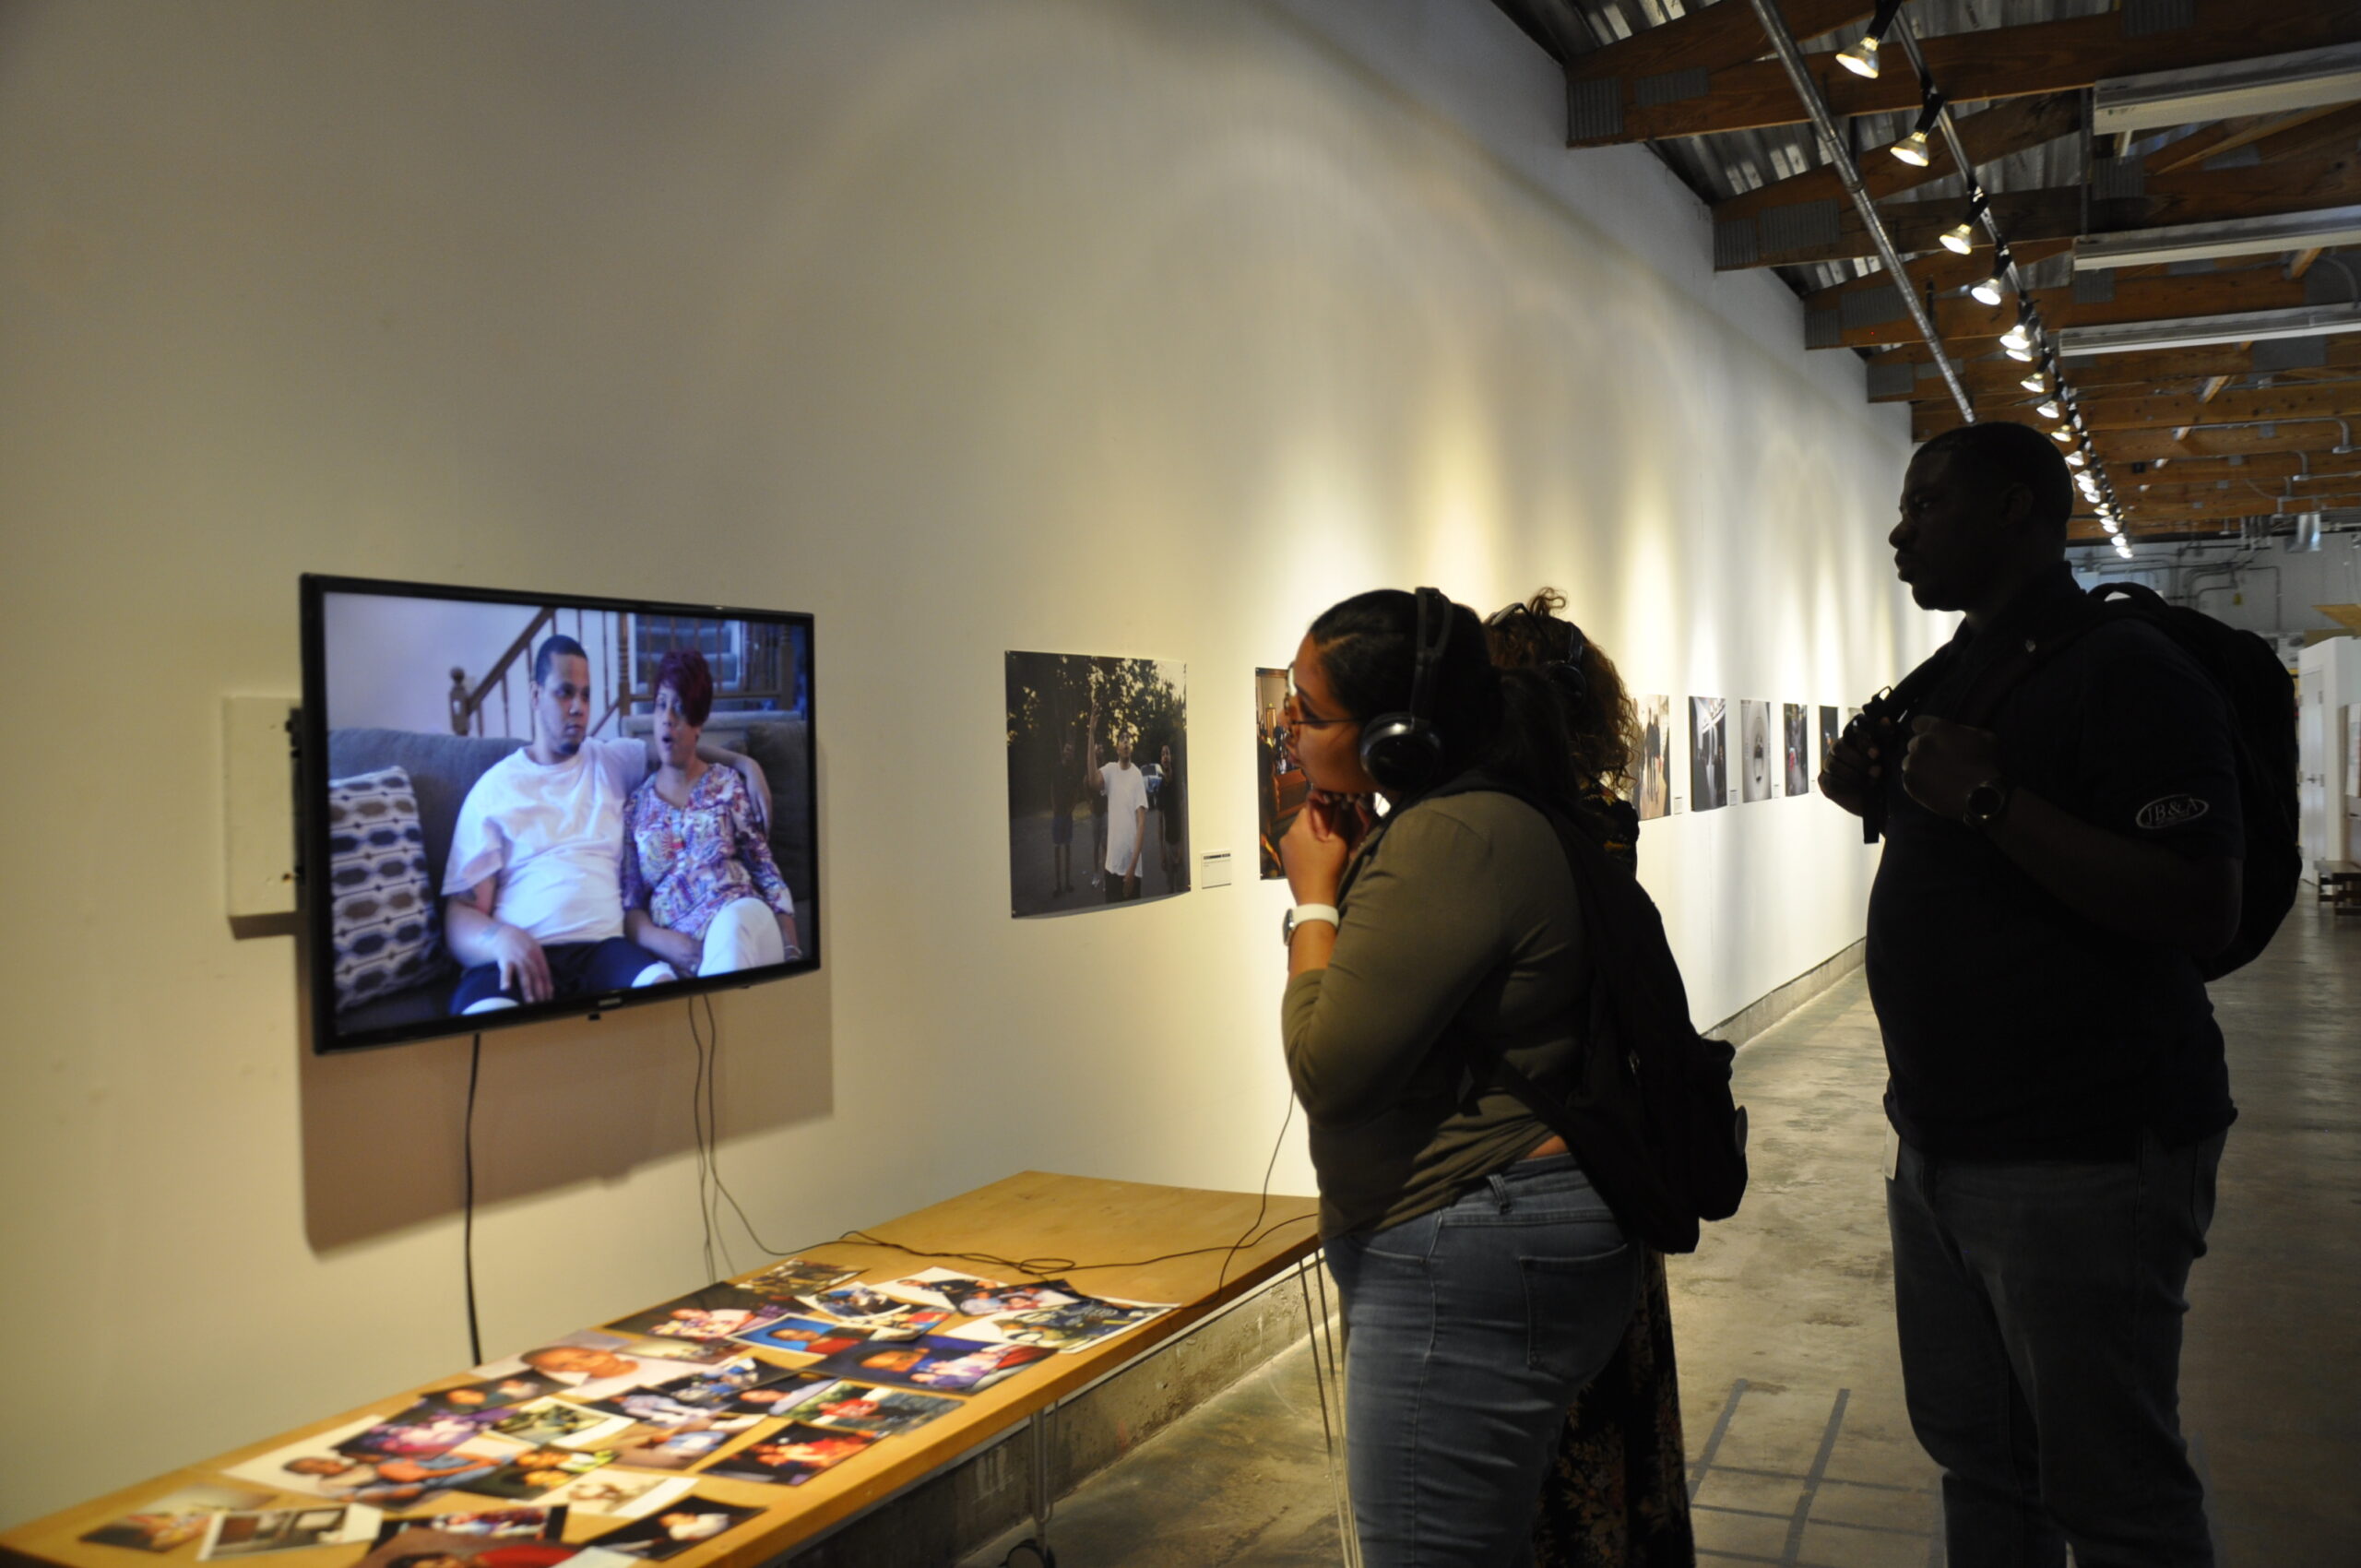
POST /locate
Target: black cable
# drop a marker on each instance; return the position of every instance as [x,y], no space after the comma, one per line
[704,1158]
[468,1202]
[1263,1202]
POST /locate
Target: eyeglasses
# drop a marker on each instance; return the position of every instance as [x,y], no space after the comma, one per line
[1291,712]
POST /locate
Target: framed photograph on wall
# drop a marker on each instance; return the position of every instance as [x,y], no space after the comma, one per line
[1098,781]
[1708,754]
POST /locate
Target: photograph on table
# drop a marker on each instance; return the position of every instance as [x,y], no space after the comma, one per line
[1798,749]
[857,1406]
[419,1433]
[798,1277]
[855,1303]
[1651,769]
[774,1398]
[815,1337]
[713,1388]
[533,805]
[547,1422]
[1757,768]
[1709,780]
[489,1393]
[946,1365]
[532,1474]
[587,1364]
[791,1456]
[541,1521]
[316,1465]
[619,1492]
[715,1313]
[1098,781]
[242,1533]
[1831,725]
[967,1296]
[674,1448]
[177,1517]
[1076,1326]
[1279,785]
[686,1523]
[426,1547]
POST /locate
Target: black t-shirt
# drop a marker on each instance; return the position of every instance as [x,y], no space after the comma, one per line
[2014,1027]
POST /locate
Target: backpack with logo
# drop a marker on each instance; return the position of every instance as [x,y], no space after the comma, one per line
[1647,1109]
[2255,690]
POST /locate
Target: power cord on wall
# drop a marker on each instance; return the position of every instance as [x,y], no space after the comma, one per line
[468,1202]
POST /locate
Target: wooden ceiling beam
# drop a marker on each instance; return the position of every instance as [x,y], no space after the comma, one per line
[1713,39]
[2228,136]
[2059,56]
[2278,405]
[2006,127]
[2270,467]
[2057,212]
[1963,319]
[2119,448]
[1938,269]
[2333,132]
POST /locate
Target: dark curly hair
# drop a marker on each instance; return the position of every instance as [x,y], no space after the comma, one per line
[685,671]
[1602,725]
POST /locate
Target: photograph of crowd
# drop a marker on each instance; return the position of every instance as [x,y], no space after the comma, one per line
[1709,727]
[1799,763]
[1755,764]
[1098,781]
[1279,785]
[533,803]
[1651,769]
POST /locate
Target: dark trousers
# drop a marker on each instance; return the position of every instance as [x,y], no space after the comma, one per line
[1115,893]
[576,968]
[2040,1312]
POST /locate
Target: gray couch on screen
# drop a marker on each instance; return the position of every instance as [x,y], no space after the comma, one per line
[443,768]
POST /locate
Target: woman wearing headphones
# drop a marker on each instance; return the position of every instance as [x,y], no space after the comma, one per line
[1484,1279]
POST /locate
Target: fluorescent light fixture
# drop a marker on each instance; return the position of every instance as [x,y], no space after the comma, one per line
[2270,84]
[2195,331]
[2327,228]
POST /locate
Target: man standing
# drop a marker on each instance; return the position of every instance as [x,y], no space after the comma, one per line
[1063,788]
[2056,1087]
[1125,789]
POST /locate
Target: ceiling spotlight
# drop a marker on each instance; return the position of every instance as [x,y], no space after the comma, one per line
[1988,291]
[2016,337]
[1915,149]
[1861,59]
[2048,408]
[2022,355]
[2063,433]
[2038,381]
[2075,460]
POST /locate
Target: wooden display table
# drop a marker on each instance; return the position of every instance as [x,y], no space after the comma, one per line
[1033,1215]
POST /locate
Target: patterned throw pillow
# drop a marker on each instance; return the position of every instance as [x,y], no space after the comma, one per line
[381,916]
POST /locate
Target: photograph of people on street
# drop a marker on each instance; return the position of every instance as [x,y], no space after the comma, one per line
[1652,770]
[1098,781]
[1755,765]
[1800,766]
[1709,727]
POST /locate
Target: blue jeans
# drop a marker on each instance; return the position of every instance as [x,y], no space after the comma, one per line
[1469,1332]
[2040,1312]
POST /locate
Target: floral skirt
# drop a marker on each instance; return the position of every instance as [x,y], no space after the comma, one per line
[1617,1493]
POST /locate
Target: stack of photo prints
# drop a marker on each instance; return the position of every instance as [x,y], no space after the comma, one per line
[770,1378]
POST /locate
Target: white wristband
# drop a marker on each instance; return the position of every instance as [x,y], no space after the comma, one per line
[1303,914]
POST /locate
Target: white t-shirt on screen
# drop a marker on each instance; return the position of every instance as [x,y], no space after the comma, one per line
[1126,798]
[554,836]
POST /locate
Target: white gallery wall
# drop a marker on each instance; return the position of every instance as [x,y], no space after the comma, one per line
[1119,326]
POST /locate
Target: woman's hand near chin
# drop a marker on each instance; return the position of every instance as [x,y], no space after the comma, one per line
[1317,843]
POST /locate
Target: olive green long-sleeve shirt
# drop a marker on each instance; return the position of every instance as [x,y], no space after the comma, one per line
[1462,927]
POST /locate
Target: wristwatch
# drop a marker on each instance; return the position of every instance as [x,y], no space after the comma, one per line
[1987,804]
[1303,914]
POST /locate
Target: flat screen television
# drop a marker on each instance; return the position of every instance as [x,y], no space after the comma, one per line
[519,806]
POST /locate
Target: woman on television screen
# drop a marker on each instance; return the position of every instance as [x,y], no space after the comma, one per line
[700,888]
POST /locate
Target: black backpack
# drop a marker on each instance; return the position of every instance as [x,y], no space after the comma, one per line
[2261,701]
[1647,1109]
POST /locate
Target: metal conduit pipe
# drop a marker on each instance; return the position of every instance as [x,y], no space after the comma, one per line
[1823,120]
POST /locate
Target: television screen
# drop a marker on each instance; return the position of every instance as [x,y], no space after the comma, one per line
[522,806]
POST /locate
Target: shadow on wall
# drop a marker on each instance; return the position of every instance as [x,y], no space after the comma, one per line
[557,1104]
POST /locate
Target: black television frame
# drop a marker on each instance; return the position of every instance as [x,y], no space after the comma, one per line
[312,829]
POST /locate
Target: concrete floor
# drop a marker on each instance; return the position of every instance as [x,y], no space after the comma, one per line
[1799,1451]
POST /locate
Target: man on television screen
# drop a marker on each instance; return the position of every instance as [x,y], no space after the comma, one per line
[533,889]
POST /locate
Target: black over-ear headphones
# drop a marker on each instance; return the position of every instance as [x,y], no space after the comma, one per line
[1403,751]
[1568,671]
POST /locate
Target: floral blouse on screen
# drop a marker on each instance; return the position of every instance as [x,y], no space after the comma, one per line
[684,864]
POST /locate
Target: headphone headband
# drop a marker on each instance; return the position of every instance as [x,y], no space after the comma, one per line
[1434,634]
[1403,751]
